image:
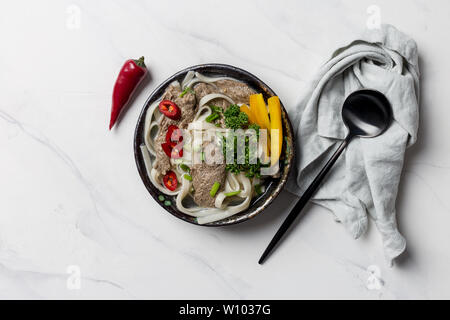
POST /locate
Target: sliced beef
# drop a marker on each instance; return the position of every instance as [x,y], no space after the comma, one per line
[203,89]
[187,104]
[204,175]
[238,91]
[203,178]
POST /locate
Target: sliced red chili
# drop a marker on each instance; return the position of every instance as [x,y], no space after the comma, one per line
[172,151]
[174,135]
[170,180]
[167,148]
[177,152]
[170,109]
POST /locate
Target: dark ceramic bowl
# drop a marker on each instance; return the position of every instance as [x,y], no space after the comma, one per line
[273,185]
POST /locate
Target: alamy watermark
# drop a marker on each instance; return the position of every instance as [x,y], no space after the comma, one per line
[374,18]
[73,281]
[232,147]
[73,19]
[374,281]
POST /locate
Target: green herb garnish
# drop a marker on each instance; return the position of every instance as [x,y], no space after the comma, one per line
[235,119]
[232,111]
[187,177]
[186,90]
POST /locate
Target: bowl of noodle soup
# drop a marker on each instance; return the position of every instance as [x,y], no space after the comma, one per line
[207,192]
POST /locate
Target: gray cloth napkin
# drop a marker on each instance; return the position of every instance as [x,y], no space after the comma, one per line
[365,179]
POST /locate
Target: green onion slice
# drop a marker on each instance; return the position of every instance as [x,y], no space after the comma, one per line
[233,193]
[216,109]
[212,117]
[186,90]
[214,189]
[187,177]
[185,168]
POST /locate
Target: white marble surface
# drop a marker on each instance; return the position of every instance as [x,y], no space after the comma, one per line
[70,194]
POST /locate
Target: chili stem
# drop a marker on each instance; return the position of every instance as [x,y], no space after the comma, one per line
[140,62]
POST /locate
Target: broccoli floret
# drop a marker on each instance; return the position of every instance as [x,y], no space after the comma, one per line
[243,164]
[232,111]
[243,119]
[255,127]
[234,118]
[216,109]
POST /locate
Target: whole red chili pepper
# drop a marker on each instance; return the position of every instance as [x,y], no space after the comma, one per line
[131,74]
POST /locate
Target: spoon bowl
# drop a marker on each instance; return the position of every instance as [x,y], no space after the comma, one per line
[366,113]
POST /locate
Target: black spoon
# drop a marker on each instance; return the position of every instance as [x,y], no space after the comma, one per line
[366,114]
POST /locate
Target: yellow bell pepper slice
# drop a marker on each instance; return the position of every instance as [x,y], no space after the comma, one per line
[252,107]
[245,109]
[276,129]
[259,110]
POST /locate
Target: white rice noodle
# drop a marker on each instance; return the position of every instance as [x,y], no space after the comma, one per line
[201,78]
[199,122]
[195,211]
[180,171]
[233,183]
[175,84]
[213,96]
[205,111]
[189,76]
[202,113]
[201,125]
[154,175]
[150,124]
[223,214]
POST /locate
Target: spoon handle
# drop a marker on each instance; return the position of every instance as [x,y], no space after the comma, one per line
[304,199]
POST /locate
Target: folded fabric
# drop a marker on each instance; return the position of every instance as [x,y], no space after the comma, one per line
[365,179]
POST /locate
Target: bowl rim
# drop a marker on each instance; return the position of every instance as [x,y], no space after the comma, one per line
[143,172]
